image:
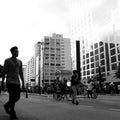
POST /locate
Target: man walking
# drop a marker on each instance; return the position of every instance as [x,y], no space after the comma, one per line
[74,85]
[12,71]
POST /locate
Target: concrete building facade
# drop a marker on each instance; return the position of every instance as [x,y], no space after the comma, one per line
[96,25]
[56,56]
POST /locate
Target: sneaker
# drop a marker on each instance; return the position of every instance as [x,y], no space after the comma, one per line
[6,109]
[76,102]
[73,102]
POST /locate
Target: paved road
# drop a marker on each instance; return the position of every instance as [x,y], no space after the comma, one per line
[45,108]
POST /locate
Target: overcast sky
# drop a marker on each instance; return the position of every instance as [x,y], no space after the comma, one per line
[25,22]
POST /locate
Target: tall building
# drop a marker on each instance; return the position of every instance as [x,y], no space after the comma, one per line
[56,54]
[30,71]
[25,73]
[96,22]
[37,62]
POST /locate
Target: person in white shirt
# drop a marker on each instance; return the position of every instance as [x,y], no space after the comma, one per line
[89,88]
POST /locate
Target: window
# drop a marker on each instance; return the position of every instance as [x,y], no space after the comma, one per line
[52,64]
[83,56]
[84,73]
[83,51]
[102,56]
[46,39]
[96,51]
[102,69]
[96,64]
[57,64]
[83,67]
[96,45]
[114,66]
[97,70]
[92,65]
[87,55]
[112,45]
[91,53]
[46,57]
[88,72]
[113,59]
[118,49]
[92,59]
[92,71]
[52,48]
[57,48]
[112,52]
[101,49]
[102,62]
[87,60]
[100,43]
[92,47]
[52,54]
[119,57]
[83,47]
[83,62]
[87,66]
[96,58]
[46,63]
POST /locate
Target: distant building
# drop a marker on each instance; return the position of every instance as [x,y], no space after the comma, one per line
[30,73]
[37,62]
[25,73]
[54,55]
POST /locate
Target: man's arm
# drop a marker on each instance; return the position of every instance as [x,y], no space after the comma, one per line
[4,72]
[21,75]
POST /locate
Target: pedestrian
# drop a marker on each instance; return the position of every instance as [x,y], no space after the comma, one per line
[12,71]
[74,86]
[89,88]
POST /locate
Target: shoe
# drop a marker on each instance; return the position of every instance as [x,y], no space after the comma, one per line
[6,109]
[13,117]
[73,102]
[76,102]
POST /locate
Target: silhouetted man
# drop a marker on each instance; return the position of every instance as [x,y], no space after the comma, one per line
[12,71]
[74,85]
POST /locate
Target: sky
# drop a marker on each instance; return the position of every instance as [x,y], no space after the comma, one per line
[25,22]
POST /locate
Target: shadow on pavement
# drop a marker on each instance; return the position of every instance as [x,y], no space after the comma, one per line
[4,117]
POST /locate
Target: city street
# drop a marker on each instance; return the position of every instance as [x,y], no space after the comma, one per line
[43,107]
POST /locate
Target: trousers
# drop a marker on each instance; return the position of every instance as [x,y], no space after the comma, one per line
[14,96]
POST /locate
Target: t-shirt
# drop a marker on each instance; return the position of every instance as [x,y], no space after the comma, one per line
[12,68]
[89,86]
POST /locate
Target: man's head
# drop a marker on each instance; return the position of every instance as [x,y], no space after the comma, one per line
[14,51]
[74,71]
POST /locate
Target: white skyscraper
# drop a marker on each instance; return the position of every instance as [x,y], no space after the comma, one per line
[56,56]
[96,24]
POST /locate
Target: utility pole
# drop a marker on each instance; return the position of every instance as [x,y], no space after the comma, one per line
[78,59]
